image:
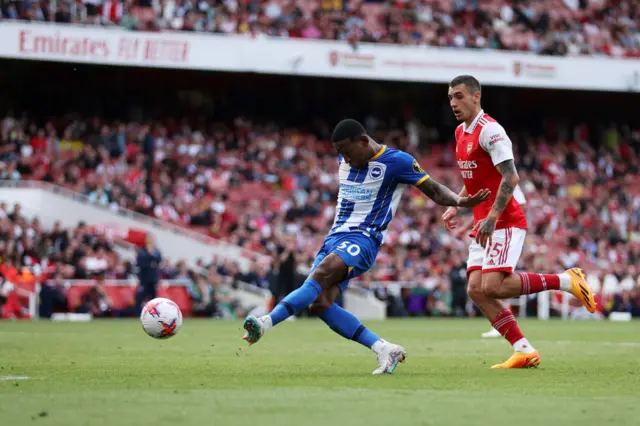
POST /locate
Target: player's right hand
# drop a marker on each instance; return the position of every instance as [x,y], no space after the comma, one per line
[448,217]
[473,200]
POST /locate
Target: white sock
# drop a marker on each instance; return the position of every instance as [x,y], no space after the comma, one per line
[565,281]
[267,322]
[378,346]
[523,346]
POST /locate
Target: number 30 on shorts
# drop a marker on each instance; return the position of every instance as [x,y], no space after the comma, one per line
[352,249]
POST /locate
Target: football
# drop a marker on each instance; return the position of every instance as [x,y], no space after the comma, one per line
[161,318]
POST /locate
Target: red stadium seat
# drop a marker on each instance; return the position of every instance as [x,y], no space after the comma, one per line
[179,295]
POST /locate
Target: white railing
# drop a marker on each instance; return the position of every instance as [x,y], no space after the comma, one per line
[138,217]
[544,299]
[32,306]
[58,203]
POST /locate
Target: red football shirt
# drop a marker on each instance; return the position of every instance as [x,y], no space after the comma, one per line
[479,148]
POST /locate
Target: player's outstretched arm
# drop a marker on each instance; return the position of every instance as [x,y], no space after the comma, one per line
[449,215]
[446,197]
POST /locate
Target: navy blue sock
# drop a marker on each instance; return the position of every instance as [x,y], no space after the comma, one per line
[348,326]
[296,301]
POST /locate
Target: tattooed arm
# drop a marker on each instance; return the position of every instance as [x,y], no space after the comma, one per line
[443,196]
[410,172]
[439,193]
[508,184]
[494,140]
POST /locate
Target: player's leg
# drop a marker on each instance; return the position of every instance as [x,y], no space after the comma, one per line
[349,326]
[358,252]
[474,282]
[506,248]
[329,272]
[502,320]
[525,355]
[499,261]
[571,281]
[489,306]
[342,321]
[493,332]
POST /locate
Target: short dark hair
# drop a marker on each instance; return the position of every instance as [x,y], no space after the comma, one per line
[348,129]
[468,80]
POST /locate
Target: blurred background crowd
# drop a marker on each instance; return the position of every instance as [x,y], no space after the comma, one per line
[548,27]
[246,158]
[272,190]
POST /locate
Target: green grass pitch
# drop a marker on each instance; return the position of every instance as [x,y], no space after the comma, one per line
[110,373]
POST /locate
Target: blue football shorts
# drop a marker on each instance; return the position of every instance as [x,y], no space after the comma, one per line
[356,249]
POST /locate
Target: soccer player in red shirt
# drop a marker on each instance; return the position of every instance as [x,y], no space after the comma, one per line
[485,159]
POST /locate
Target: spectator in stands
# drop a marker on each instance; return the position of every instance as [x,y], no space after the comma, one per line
[148,262]
[52,296]
[458,280]
[10,306]
[416,300]
[548,28]
[202,293]
[439,302]
[95,302]
[226,306]
[285,264]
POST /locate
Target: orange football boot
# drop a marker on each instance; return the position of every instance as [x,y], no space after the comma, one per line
[521,360]
[581,290]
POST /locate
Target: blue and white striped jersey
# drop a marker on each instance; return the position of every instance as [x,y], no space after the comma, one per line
[369,197]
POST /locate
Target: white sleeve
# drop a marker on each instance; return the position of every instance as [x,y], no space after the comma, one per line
[519,196]
[495,141]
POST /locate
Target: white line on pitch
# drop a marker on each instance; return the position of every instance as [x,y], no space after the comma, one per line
[570,342]
[15,378]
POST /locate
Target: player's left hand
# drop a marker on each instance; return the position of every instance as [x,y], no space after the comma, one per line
[484,231]
[475,199]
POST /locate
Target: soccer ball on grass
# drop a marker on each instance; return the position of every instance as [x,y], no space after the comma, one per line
[161,318]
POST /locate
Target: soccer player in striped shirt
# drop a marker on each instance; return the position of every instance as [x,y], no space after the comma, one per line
[372,179]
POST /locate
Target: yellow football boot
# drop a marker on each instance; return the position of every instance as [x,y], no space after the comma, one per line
[581,290]
[521,360]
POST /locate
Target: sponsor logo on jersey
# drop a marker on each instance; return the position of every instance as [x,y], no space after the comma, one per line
[495,139]
[417,168]
[467,164]
[356,193]
[466,168]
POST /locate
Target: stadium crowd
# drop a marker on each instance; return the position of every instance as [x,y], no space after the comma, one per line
[30,254]
[549,27]
[272,190]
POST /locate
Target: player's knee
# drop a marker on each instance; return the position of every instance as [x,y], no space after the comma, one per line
[321,304]
[493,288]
[330,271]
[317,309]
[474,289]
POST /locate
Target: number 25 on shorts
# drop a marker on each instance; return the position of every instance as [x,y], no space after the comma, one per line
[352,249]
[495,250]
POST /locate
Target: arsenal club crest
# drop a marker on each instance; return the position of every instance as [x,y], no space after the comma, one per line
[333,58]
[517,68]
[469,148]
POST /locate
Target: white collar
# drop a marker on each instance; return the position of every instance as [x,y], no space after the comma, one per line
[474,123]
